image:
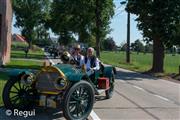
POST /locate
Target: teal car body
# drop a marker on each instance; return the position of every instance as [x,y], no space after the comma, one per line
[17,72]
[71,73]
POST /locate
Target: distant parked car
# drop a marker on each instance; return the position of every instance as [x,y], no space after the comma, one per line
[46,49]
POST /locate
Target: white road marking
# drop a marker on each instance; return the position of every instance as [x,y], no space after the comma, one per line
[161,97]
[122,81]
[166,99]
[92,114]
[139,88]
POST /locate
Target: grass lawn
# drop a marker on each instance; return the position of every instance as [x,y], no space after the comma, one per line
[34,61]
[3,79]
[26,64]
[31,55]
[141,62]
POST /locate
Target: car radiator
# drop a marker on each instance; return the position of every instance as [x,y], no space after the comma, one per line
[45,81]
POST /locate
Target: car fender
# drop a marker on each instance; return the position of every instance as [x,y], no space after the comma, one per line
[108,70]
[18,72]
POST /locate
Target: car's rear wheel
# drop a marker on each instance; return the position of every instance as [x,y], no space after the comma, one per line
[17,95]
[78,101]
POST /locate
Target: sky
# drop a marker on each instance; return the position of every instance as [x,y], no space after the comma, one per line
[118,25]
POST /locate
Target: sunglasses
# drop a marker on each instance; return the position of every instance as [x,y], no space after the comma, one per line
[77,48]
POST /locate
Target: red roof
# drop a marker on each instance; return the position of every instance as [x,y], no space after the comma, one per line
[19,38]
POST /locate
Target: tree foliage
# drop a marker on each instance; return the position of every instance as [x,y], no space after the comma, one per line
[29,14]
[109,44]
[123,46]
[66,38]
[72,16]
[103,12]
[176,35]
[137,46]
[148,48]
[158,19]
[78,17]
[41,36]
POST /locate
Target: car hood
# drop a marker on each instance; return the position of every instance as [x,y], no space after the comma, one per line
[71,73]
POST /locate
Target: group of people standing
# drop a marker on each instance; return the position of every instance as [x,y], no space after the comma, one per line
[90,61]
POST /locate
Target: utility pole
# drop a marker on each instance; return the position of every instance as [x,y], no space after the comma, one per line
[128,34]
[128,38]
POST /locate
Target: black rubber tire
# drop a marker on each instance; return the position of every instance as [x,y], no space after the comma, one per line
[68,96]
[109,92]
[30,103]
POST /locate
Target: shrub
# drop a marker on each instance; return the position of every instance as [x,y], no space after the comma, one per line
[19,45]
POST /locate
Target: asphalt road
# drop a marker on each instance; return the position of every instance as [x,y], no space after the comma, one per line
[139,97]
[136,97]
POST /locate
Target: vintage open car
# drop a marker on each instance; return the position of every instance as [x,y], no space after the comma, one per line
[58,86]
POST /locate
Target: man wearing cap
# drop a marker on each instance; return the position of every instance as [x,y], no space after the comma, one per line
[91,62]
[78,58]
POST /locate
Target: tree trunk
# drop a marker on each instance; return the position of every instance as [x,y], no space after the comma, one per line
[30,45]
[29,37]
[29,41]
[81,38]
[158,56]
[98,24]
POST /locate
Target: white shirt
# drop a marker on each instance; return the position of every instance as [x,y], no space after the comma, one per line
[81,62]
[88,64]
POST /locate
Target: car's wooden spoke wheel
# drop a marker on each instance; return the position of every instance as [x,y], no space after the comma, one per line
[17,95]
[79,101]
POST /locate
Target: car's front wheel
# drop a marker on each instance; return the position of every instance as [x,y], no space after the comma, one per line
[17,95]
[78,101]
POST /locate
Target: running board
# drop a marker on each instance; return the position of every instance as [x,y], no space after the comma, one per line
[99,91]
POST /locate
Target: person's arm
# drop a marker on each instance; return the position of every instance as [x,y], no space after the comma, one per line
[82,61]
[97,65]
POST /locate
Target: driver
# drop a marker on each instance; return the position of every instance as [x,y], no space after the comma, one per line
[91,62]
[77,57]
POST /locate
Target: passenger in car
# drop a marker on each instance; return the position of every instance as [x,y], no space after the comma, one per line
[91,62]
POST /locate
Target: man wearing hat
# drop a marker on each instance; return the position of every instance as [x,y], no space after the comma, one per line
[78,58]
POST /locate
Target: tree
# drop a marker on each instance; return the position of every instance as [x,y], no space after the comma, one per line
[85,19]
[157,19]
[92,41]
[137,46]
[104,10]
[109,44]
[29,14]
[148,48]
[74,17]
[66,38]
[42,36]
[176,35]
[123,46]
